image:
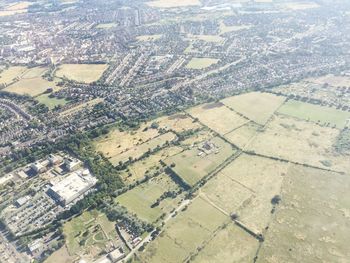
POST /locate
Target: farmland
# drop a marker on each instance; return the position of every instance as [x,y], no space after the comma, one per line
[323,115]
[201,63]
[85,73]
[140,199]
[194,164]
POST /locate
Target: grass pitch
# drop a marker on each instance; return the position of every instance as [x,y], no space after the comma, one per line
[201,63]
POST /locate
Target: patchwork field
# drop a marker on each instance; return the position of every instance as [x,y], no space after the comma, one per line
[243,135]
[194,164]
[85,73]
[256,106]
[315,113]
[254,182]
[90,230]
[217,117]
[231,244]
[138,150]
[185,234]
[300,141]
[173,3]
[139,169]
[312,221]
[201,63]
[140,199]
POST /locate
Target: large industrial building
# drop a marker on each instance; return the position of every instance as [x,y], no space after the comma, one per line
[72,187]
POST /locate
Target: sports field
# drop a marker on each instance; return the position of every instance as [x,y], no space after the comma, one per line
[85,73]
[315,113]
[201,63]
[140,199]
[256,106]
[194,164]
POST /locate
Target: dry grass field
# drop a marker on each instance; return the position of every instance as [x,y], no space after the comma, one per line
[311,224]
[85,73]
[207,38]
[140,199]
[217,117]
[256,106]
[32,86]
[116,142]
[185,233]
[81,106]
[178,122]
[10,74]
[173,3]
[243,135]
[201,63]
[138,150]
[229,245]
[255,181]
[300,141]
[335,81]
[15,8]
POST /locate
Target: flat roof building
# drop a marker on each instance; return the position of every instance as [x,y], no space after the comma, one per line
[71,187]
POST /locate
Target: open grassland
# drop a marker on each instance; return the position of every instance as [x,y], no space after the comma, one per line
[148,37]
[116,141]
[192,166]
[85,73]
[35,72]
[185,234]
[243,135]
[90,229]
[139,150]
[315,113]
[217,117]
[139,169]
[311,224]
[81,106]
[173,3]
[295,6]
[335,81]
[256,106]
[201,63]
[254,182]
[140,199]
[230,245]
[178,122]
[200,136]
[300,141]
[10,74]
[32,86]
[51,103]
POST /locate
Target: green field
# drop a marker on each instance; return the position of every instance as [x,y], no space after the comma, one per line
[51,102]
[139,199]
[315,113]
[192,167]
[201,63]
